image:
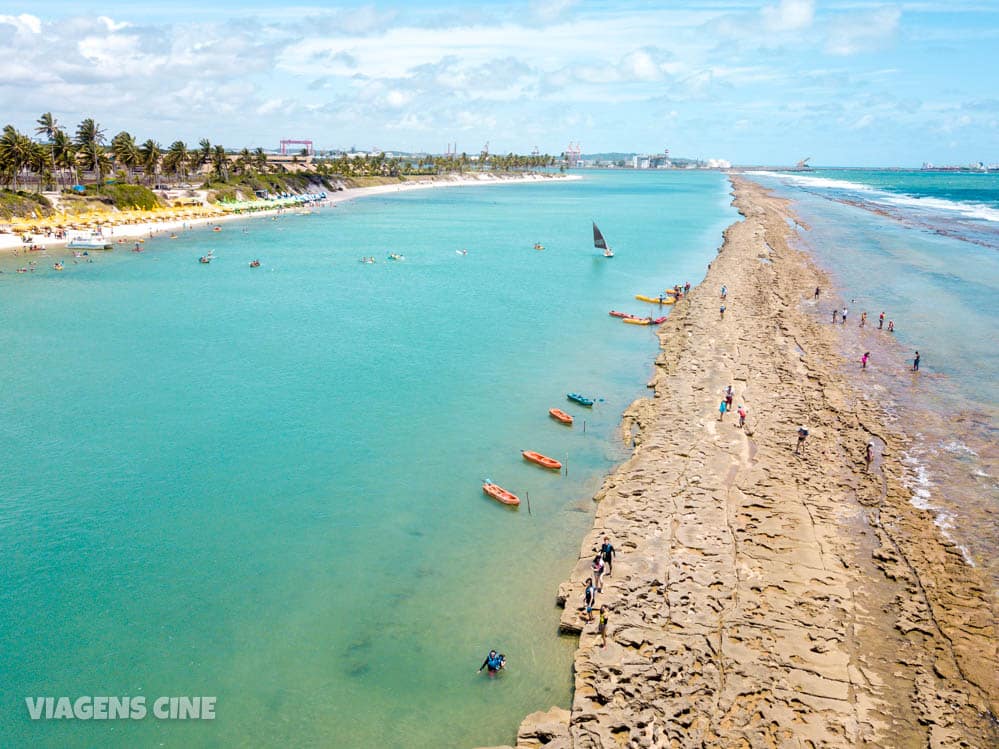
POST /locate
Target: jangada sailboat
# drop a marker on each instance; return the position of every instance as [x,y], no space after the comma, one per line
[600,243]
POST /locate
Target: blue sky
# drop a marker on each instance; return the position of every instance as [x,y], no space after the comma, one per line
[847,82]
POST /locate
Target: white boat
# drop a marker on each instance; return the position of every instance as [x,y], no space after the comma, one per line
[92,241]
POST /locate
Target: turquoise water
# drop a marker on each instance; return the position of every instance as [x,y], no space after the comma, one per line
[265,485]
[932,276]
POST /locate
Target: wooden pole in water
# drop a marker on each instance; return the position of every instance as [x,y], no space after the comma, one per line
[529,503]
[567,465]
[584,426]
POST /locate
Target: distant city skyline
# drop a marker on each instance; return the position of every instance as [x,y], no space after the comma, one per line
[845,82]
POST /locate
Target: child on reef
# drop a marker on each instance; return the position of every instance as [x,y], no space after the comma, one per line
[722,407]
[589,599]
[742,417]
[602,626]
[802,433]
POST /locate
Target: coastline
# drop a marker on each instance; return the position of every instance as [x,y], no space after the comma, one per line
[12,245]
[760,598]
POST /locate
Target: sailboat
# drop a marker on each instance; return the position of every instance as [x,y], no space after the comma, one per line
[599,243]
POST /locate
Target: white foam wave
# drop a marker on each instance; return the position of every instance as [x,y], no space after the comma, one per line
[971,210]
[917,480]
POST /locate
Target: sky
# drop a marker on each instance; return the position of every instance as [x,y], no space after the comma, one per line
[845,82]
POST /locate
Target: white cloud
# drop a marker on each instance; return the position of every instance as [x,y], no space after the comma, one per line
[24,23]
[862,33]
[788,15]
[549,10]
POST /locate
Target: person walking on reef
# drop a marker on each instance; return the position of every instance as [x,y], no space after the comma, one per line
[742,417]
[881,321]
[869,455]
[608,553]
[843,315]
[598,571]
[724,291]
[721,312]
[589,599]
[722,407]
[915,363]
[686,288]
[802,433]
[816,293]
[863,319]
[864,358]
[602,626]
[729,397]
[835,314]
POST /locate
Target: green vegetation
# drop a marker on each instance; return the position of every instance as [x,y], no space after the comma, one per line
[56,160]
[13,204]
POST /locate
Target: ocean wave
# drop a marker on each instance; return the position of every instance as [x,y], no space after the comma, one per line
[971,210]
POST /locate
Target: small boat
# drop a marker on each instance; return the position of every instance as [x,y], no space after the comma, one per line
[638,320]
[615,313]
[367,260]
[560,415]
[92,241]
[461,252]
[655,300]
[580,399]
[173,236]
[538,246]
[216,228]
[542,460]
[57,266]
[205,259]
[600,243]
[659,320]
[396,256]
[254,263]
[500,494]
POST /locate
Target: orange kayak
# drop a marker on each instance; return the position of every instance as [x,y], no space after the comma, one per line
[561,415]
[500,494]
[542,460]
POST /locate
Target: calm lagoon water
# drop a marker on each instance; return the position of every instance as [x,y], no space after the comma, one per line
[265,485]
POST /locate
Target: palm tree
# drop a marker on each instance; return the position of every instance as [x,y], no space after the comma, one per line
[63,153]
[220,163]
[90,139]
[244,161]
[17,152]
[175,160]
[151,153]
[126,152]
[260,159]
[48,127]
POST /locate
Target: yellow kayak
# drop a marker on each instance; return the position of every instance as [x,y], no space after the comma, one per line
[637,320]
[655,299]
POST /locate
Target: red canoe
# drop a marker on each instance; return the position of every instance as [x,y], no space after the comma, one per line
[561,415]
[542,460]
[500,494]
[615,313]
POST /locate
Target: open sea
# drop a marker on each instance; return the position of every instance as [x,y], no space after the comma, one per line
[264,485]
[922,247]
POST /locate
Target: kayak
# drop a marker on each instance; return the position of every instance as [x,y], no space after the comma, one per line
[562,416]
[500,494]
[542,460]
[580,399]
[655,299]
[615,313]
[638,320]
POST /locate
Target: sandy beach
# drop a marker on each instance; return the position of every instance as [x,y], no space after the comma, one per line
[13,243]
[760,597]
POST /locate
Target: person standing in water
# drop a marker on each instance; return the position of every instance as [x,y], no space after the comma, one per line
[915,363]
[863,319]
[835,313]
[891,326]
[816,293]
[843,314]
[494,662]
[864,358]
[881,321]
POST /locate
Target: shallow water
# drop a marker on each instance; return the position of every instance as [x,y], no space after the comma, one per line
[264,485]
[940,290]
